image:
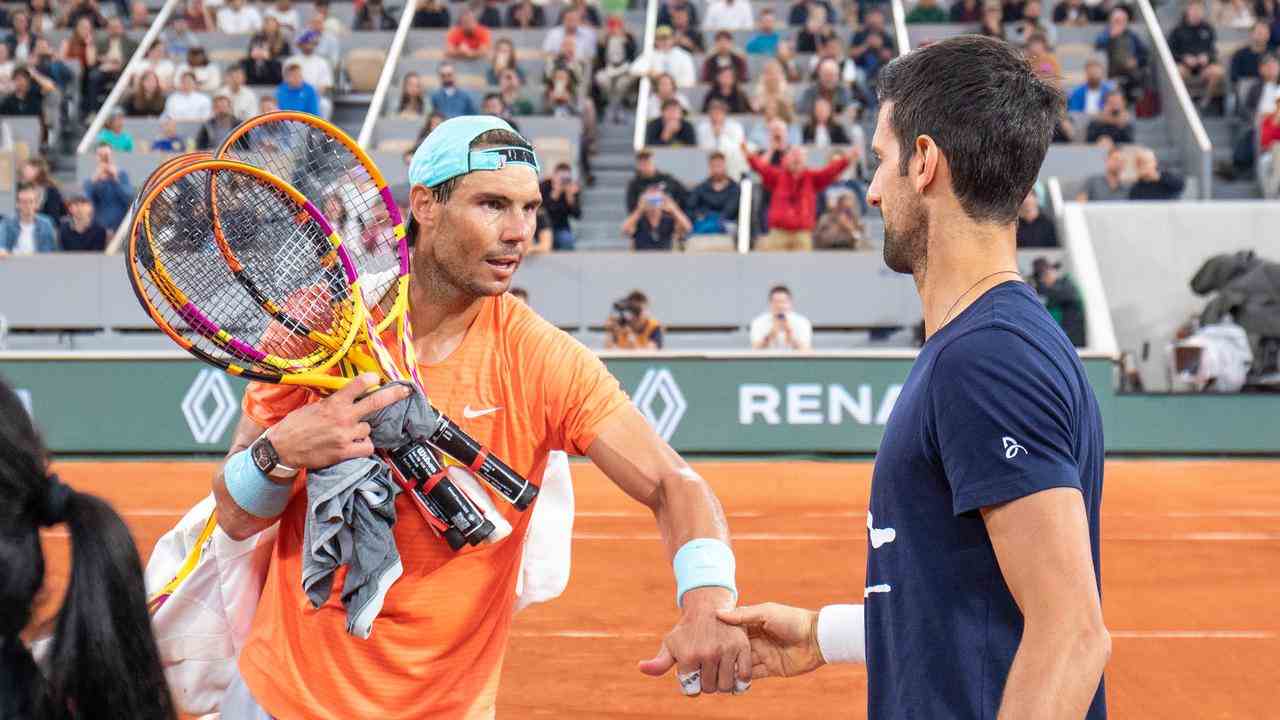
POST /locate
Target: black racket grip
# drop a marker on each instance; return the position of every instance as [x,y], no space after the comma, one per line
[452,439]
[420,465]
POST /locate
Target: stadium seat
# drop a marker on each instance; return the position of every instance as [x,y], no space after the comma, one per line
[363,66]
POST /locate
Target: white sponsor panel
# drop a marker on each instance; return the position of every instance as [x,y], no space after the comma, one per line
[209,406]
[813,404]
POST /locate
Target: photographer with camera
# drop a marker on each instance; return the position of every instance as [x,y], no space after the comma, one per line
[656,222]
[630,325]
[1060,297]
[781,328]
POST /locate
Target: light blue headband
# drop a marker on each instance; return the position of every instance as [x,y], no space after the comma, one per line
[446,153]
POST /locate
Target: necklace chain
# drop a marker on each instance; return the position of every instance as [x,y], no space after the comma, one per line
[971,287]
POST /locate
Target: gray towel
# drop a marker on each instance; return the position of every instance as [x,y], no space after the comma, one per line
[410,419]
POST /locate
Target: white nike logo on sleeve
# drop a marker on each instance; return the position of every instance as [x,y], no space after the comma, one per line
[470,414]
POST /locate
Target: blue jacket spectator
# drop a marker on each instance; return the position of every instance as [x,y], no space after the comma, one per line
[450,100]
[39,238]
[109,191]
[765,40]
[294,94]
[1126,43]
[1090,95]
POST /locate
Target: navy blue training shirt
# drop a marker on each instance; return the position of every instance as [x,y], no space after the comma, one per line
[996,407]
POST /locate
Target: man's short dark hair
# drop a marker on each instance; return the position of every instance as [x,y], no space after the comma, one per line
[493,96]
[715,155]
[780,289]
[638,298]
[644,154]
[989,112]
[669,102]
[724,35]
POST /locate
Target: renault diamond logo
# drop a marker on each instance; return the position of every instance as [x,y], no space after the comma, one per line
[208,406]
[658,385]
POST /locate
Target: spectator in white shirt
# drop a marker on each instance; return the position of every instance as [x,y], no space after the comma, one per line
[239,18]
[584,37]
[157,62]
[728,15]
[666,58]
[781,328]
[316,71]
[208,75]
[718,131]
[244,102]
[187,103]
[327,46]
[287,14]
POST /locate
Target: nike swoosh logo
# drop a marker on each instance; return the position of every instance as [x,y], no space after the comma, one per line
[470,414]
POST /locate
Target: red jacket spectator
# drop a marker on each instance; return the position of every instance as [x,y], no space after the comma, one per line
[793,188]
[1270,131]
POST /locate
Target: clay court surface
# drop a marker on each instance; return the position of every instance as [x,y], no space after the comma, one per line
[1190,563]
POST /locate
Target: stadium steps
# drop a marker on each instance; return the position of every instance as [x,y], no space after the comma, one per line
[349,112]
[604,204]
[1221,134]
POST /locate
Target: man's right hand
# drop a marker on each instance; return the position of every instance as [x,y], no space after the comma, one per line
[784,639]
[333,430]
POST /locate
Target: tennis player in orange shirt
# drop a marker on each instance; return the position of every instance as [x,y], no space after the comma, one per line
[519,386]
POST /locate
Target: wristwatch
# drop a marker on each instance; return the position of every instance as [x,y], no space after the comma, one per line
[267,459]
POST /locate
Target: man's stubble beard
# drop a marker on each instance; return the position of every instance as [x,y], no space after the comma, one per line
[906,243]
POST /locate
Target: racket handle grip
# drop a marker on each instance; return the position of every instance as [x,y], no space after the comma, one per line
[420,465]
[451,439]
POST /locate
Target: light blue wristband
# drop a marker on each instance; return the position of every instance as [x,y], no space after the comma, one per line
[252,489]
[704,562]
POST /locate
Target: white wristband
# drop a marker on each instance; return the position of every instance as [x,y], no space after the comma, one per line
[841,634]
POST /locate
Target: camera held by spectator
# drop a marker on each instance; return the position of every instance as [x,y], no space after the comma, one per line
[631,327]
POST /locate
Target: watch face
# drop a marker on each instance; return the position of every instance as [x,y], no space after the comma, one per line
[264,455]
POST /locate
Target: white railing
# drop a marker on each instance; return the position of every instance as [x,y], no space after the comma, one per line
[122,83]
[900,26]
[642,94]
[1100,331]
[388,73]
[1184,120]
[745,190]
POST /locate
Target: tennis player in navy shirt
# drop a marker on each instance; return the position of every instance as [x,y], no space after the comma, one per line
[982,595]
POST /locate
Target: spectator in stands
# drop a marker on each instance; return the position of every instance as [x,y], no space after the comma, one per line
[327,46]
[238,17]
[109,190]
[413,102]
[781,327]
[179,38]
[1245,61]
[7,66]
[790,63]
[1113,122]
[765,40]
[21,39]
[668,8]
[28,232]
[432,14]
[1269,142]
[992,24]
[668,59]
[631,327]
[664,89]
[295,93]
[671,128]
[1262,96]
[218,127]
[850,74]
[112,52]
[724,56]
[274,38]
[1033,23]
[1060,297]
[198,15]
[773,86]
[525,15]
[721,133]
[244,102]
[80,47]
[1107,187]
[208,75]
[332,25]
[727,91]
[159,64]
[114,134]
[285,14]
[372,16]
[503,57]
[656,223]
[260,68]
[1035,229]
[1076,13]
[840,227]
[576,65]
[187,103]
[85,9]
[586,11]
[685,34]
[775,135]
[1089,97]
[926,11]
[802,10]
[614,55]
[815,32]
[492,105]
[560,93]
[1127,55]
[169,140]
[316,71]
[822,129]
[648,177]
[713,205]
[78,232]
[509,89]
[793,191]
[728,15]
[828,87]
[1042,58]
[42,19]
[35,175]
[1234,14]
[268,104]
[968,12]
[584,37]
[1194,45]
[450,100]
[490,15]
[27,97]
[468,40]
[1154,183]
[44,63]
[561,199]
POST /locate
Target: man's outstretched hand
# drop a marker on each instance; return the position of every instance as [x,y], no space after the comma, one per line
[704,644]
[784,639]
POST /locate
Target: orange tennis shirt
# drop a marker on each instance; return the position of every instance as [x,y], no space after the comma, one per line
[437,647]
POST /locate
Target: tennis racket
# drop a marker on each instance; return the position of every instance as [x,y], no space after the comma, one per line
[322,161]
[183,281]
